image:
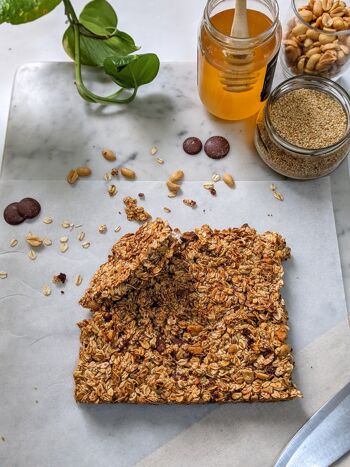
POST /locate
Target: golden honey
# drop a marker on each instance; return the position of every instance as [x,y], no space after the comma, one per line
[216,45]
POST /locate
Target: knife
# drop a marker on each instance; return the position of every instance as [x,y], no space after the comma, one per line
[324,439]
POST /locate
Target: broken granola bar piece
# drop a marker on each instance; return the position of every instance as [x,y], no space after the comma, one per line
[135,212]
[134,259]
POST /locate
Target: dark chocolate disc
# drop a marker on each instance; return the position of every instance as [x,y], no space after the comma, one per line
[11,214]
[29,208]
[192,145]
[217,147]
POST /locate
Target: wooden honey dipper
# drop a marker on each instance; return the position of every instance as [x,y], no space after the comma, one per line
[239,77]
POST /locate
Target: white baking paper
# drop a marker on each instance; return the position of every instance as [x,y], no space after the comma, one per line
[39,340]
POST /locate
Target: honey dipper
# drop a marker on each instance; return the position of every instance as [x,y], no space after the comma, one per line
[239,77]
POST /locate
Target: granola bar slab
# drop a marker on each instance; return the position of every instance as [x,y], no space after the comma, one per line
[211,327]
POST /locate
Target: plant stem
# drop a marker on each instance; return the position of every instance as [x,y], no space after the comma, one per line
[83,91]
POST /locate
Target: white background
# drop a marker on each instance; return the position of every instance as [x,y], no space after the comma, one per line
[167,27]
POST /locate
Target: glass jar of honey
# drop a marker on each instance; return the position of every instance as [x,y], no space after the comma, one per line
[235,74]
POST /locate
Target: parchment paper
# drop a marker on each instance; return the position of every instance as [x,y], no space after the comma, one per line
[39,419]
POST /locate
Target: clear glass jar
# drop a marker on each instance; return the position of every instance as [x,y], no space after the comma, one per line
[293,161]
[237,91]
[312,41]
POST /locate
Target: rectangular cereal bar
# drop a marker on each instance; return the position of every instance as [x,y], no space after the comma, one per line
[210,326]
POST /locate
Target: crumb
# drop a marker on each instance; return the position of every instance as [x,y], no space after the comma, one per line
[60,278]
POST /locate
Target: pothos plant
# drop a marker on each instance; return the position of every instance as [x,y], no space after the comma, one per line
[93,39]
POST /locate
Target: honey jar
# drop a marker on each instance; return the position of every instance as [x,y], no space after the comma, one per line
[235,74]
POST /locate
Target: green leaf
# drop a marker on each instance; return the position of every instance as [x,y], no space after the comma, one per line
[23,11]
[99,17]
[141,69]
[93,52]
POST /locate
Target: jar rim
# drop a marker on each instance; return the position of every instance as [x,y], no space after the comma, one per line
[308,82]
[246,42]
[343,32]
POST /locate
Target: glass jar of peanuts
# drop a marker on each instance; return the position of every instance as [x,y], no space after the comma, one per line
[316,38]
[303,132]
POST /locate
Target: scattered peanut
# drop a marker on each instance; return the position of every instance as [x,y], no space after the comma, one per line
[173,187]
[83,171]
[128,173]
[72,176]
[109,155]
[228,179]
[176,176]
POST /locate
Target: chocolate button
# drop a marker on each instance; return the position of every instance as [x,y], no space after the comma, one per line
[29,208]
[11,214]
[217,147]
[192,145]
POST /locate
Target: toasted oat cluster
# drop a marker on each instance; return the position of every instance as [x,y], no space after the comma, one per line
[134,212]
[190,318]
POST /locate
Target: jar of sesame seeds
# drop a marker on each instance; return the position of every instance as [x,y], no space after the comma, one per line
[303,132]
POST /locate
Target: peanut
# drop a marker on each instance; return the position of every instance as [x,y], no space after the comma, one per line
[312,34]
[326,39]
[313,51]
[173,187]
[128,173]
[72,176]
[306,15]
[108,154]
[317,8]
[228,179]
[83,171]
[327,5]
[312,62]
[327,20]
[176,176]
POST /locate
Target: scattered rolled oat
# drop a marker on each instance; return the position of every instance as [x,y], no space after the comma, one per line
[64,247]
[78,280]
[153,150]
[208,185]
[48,220]
[167,209]
[159,160]
[117,229]
[13,242]
[86,245]
[34,240]
[109,155]
[190,202]
[135,212]
[3,275]
[66,224]
[77,226]
[278,195]
[47,242]
[81,236]
[64,239]
[46,290]
[216,178]
[171,195]
[273,187]
[31,255]
[107,177]
[60,278]
[112,190]
[102,228]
